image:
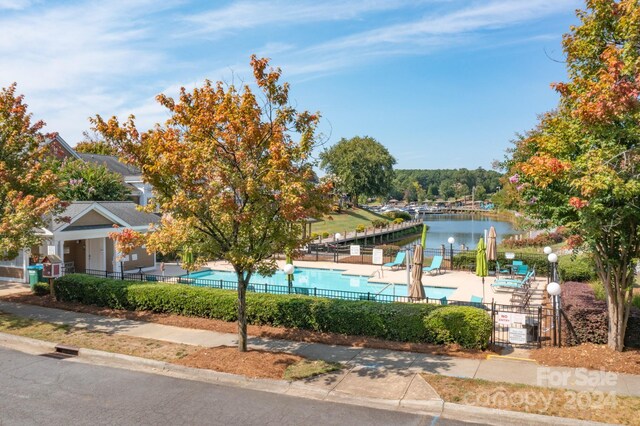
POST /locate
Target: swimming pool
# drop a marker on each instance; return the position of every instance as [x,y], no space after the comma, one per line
[325,279]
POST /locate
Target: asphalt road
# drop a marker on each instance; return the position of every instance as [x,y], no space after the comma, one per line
[38,390]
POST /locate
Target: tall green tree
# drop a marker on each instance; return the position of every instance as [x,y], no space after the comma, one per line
[92,144]
[362,165]
[27,187]
[90,182]
[228,173]
[580,166]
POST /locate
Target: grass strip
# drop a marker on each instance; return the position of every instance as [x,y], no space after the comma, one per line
[188,355]
[596,406]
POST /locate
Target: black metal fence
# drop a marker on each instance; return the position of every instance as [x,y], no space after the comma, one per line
[513,325]
[456,259]
[277,289]
[525,326]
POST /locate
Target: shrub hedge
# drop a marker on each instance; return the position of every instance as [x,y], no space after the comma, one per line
[469,327]
[392,321]
[576,268]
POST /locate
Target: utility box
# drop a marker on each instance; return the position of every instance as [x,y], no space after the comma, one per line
[51,266]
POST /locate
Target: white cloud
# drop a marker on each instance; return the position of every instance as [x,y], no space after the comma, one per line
[14,4]
[252,14]
[467,26]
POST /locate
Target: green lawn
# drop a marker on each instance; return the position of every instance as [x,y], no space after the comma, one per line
[346,221]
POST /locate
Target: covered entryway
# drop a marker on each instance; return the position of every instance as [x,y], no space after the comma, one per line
[96,254]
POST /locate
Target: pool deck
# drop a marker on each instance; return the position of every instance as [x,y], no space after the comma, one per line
[467,284]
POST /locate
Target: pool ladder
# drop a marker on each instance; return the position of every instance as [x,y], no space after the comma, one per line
[386,287]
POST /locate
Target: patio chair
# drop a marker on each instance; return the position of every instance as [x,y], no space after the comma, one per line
[398,262]
[476,299]
[521,270]
[509,285]
[436,265]
[443,301]
[502,271]
[301,290]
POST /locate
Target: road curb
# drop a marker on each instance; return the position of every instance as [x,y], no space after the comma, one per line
[26,344]
[497,417]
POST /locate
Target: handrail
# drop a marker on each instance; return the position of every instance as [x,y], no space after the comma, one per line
[384,288]
[373,274]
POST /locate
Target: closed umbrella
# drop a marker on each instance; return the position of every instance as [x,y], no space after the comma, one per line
[492,250]
[416,291]
[482,269]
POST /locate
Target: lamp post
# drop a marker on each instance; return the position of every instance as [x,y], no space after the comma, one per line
[547,250]
[553,259]
[451,240]
[289,269]
[554,290]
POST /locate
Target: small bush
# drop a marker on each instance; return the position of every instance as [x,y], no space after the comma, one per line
[576,268]
[546,239]
[379,223]
[398,215]
[325,234]
[314,235]
[598,290]
[360,228]
[467,326]
[398,220]
[41,289]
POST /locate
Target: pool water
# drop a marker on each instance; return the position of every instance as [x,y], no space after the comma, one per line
[330,279]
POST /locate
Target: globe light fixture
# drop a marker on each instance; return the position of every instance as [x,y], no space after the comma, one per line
[553,288]
[337,236]
[547,250]
[553,258]
[451,240]
[288,269]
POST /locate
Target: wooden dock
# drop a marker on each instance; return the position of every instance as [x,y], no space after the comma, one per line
[374,235]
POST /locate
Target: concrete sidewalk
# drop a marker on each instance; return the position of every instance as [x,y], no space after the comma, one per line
[370,373]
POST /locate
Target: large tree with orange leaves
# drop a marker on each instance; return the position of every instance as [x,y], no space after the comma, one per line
[581,165]
[27,187]
[227,170]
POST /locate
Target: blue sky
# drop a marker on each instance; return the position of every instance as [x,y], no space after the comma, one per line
[442,84]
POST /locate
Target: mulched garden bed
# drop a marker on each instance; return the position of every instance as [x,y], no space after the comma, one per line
[589,355]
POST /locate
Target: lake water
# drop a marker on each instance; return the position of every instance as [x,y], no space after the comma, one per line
[466,229]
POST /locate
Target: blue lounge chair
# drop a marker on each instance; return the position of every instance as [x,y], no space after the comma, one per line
[436,264]
[398,262]
[301,290]
[443,301]
[476,299]
[507,284]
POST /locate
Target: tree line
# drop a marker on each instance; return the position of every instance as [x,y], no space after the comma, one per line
[422,185]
